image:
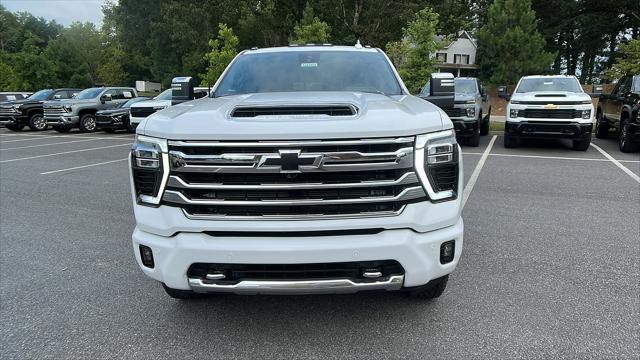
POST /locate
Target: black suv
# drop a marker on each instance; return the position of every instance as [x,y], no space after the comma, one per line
[17,114]
[616,111]
[118,118]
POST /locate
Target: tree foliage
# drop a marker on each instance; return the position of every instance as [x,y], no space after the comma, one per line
[310,30]
[627,62]
[413,55]
[223,50]
[509,44]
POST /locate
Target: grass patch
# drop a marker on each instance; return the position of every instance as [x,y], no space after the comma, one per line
[496,126]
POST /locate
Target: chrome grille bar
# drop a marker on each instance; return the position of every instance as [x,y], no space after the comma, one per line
[178,182]
[406,194]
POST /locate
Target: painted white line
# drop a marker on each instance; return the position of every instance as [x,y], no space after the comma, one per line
[47,144]
[551,157]
[80,136]
[62,153]
[476,171]
[617,163]
[82,167]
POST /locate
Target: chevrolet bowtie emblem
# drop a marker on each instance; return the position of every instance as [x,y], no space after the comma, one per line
[290,161]
[551,106]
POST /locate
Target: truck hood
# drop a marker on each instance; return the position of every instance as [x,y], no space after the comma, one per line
[551,96]
[152,103]
[69,102]
[377,116]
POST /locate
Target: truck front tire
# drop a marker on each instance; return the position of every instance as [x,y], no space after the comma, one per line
[624,142]
[510,141]
[37,122]
[87,123]
[431,290]
[602,128]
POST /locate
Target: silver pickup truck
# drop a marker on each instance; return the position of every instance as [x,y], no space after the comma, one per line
[80,111]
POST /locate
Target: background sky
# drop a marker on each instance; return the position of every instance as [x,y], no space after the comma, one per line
[62,11]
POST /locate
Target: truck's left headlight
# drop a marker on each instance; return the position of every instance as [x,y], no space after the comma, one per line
[149,168]
[437,163]
[67,108]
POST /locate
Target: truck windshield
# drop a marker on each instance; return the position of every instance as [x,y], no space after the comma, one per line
[132,101]
[41,95]
[88,93]
[165,95]
[465,86]
[568,84]
[293,71]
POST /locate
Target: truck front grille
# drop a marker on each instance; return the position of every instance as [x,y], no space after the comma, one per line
[294,179]
[455,112]
[550,114]
[142,112]
[54,111]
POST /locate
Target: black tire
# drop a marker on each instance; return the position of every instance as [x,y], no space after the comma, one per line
[510,141]
[625,144]
[431,290]
[581,145]
[602,128]
[37,122]
[131,128]
[62,129]
[87,123]
[484,124]
[180,294]
[15,127]
[473,140]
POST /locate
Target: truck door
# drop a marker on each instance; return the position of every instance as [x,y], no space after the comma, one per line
[613,107]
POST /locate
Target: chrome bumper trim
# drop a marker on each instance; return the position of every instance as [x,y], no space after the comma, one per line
[300,287]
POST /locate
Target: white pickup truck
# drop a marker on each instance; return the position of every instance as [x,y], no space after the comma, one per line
[548,107]
[308,170]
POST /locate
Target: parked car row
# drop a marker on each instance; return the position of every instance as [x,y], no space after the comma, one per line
[92,109]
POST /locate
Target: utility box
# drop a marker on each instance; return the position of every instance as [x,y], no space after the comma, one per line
[148,86]
[441,90]
[182,89]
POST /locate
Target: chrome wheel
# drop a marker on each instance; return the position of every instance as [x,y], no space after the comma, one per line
[89,123]
[39,123]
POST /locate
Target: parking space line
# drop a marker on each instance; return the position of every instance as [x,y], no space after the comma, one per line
[50,144]
[617,163]
[476,172]
[62,153]
[40,137]
[551,157]
[82,167]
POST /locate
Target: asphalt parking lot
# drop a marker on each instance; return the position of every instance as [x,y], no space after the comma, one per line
[550,268]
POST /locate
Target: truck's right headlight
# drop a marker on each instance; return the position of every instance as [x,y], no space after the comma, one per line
[149,168]
[437,163]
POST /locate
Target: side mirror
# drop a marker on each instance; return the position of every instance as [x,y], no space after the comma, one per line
[504,93]
[596,91]
[104,98]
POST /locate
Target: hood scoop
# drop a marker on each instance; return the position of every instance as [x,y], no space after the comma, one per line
[550,95]
[303,110]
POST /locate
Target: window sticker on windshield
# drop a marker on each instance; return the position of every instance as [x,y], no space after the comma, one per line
[548,82]
[309,65]
[127,94]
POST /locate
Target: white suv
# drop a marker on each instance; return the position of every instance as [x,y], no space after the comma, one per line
[308,170]
[548,107]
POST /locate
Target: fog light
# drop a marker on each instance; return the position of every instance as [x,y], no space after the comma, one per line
[146,255]
[447,250]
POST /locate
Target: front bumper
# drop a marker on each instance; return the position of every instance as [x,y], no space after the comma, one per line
[549,129]
[12,119]
[110,123]
[418,253]
[62,120]
[465,126]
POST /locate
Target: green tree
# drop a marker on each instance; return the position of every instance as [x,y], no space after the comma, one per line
[223,50]
[628,61]
[414,53]
[509,44]
[310,30]
[110,70]
[8,80]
